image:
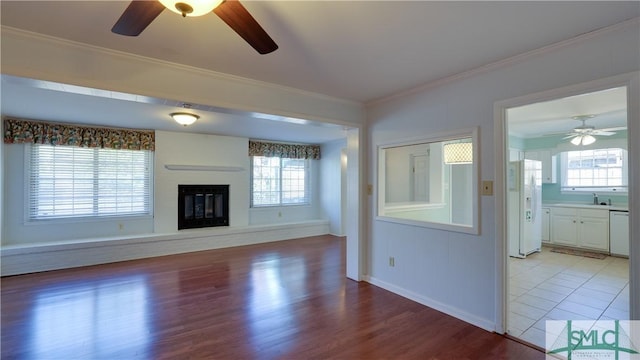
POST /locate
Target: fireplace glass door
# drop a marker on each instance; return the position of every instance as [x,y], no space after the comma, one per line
[203,206]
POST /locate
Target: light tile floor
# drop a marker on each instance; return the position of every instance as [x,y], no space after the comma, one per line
[553,286]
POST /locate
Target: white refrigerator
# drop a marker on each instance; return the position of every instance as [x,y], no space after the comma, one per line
[524,207]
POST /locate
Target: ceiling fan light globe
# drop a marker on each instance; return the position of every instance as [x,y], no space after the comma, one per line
[199,7]
[576,140]
[588,140]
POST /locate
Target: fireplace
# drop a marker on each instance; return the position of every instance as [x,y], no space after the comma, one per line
[203,206]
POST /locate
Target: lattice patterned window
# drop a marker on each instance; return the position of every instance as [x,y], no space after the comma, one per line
[595,170]
[279,181]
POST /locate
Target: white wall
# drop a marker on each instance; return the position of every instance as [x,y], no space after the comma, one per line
[31,55]
[283,214]
[398,172]
[174,148]
[456,272]
[171,148]
[2,172]
[31,248]
[355,209]
[331,184]
[461,193]
[17,232]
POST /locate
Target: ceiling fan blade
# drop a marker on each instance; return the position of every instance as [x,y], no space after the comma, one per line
[558,134]
[238,18]
[613,128]
[136,17]
[605,133]
[571,136]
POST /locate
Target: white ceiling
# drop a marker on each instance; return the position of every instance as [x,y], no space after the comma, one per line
[604,109]
[355,50]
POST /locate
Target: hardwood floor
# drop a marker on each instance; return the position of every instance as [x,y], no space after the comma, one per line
[284,300]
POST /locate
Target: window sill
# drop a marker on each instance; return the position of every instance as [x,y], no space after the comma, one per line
[412,206]
[86,219]
[583,192]
[272,207]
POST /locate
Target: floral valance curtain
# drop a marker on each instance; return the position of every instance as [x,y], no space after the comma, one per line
[38,132]
[290,151]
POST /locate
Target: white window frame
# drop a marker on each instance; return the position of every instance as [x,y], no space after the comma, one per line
[608,189]
[31,214]
[307,183]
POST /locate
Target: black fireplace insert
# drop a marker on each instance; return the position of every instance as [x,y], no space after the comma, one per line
[203,206]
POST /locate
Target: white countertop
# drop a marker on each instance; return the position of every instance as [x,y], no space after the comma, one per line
[588,206]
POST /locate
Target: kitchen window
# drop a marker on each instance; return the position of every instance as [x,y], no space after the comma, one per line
[597,170]
[279,181]
[73,182]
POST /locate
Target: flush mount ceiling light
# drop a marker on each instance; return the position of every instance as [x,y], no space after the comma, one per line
[184,118]
[191,7]
[583,140]
[458,153]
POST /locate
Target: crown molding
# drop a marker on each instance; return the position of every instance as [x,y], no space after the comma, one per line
[508,61]
[176,66]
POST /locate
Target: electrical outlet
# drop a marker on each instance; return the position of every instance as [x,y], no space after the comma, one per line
[120,226]
[369,189]
[487,187]
[392,261]
[279,213]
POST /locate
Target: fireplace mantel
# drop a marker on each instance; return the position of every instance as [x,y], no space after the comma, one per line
[202,167]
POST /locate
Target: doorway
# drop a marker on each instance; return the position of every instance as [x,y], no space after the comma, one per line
[420,179]
[556,289]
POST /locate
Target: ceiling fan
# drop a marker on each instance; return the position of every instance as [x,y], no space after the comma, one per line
[584,134]
[140,13]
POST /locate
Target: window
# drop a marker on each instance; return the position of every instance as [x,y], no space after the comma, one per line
[279,181]
[595,170]
[430,182]
[69,181]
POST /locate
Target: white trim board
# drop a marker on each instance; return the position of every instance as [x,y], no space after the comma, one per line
[447,309]
[632,82]
[53,256]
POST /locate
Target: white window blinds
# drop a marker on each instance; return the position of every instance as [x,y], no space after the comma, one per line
[69,181]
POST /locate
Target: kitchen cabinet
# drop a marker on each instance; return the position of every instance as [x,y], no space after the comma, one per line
[549,167]
[581,228]
[594,232]
[619,232]
[564,226]
[546,223]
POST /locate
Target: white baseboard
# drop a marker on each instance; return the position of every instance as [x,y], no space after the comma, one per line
[31,258]
[447,309]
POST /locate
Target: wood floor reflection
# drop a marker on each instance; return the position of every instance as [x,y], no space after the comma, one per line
[288,299]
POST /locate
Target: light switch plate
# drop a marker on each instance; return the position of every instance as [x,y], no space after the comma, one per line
[487,187]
